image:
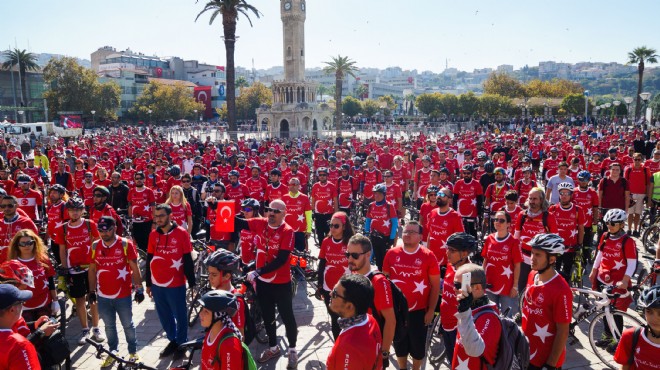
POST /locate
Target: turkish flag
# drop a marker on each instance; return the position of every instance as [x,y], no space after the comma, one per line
[224,216]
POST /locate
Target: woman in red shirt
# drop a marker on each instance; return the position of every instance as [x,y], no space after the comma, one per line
[430,204]
[333,262]
[222,348]
[181,210]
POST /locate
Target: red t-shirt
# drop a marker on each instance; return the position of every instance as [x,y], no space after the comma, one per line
[613,265]
[9,229]
[113,273]
[17,352]
[95,215]
[180,214]
[357,347]
[467,197]
[449,303]
[645,354]
[277,239]
[256,188]
[544,306]
[229,354]
[57,214]
[29,201]
[274,193]
[638,179]
[412,273]
[440,227]
[502,255]
[324,195]
[567,223]
[168,250]
[381,216]
[295,211]
[237,193]
[345,188]
[141,201]
[496,195]
[40,293]
[382,292]
[370,178]
[78,241]
[336,263]
[531,227]
[587,200]
[249,241]
[489,328]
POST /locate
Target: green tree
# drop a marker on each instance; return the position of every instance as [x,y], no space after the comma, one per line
[167,102]
[241,82]
[26,62]
[468,103]
[449,103]
[73,87]
[361,90]
[389,104]
[410,98]
[504,85]
[429,104]
[340,67]
[370,107]
[493,104]
[351,106]
[229,10]
[252,98]
[641,56]
[574,104]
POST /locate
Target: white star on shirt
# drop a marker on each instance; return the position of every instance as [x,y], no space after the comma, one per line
[347,271]
[123,273]
[507,272]
[474,202]
[58,224]
[617,265]
[147,208]
[573,232]
[176,264]
[301,218]
[589,212]
[261,194]
[462,364]
[45,284]
[386,223]
[419,287]
[542,332]
[330,202]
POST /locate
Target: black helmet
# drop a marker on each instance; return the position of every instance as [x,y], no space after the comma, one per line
[650,297]
[489,166]
[219,301]
[23,178]
[58,188]
[332,158]
[380,188]
[233,173]
[345,167]
[223,260]
[103,190]
[467,168]
[75,203]
[175,170]
[462,242]
[444,170]
[250,202]
[276,171]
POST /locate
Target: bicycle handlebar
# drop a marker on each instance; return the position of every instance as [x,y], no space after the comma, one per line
[127,364]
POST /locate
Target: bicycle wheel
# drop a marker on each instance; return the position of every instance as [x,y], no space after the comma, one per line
[142,261]
[435,348]
[260,329]
[597,331]
[194,308]
[577,271]
[650,237]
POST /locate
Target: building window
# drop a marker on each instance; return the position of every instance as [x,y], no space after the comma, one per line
[302,53]
[288,51]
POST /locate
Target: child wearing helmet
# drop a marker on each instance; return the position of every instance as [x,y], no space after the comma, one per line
[640,345]
[222,348]
[221,266]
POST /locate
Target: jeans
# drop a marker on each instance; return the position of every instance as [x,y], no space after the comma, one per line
[108,311]
[505,302]
[171,309]
[280,295]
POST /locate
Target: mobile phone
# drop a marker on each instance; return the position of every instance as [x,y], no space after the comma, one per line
[53,320]
[465,282]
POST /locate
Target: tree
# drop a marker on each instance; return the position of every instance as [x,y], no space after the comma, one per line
[370,107]
[166,102]
[493,105]
[361,91]
[229,9]
[25,62]
[504,85]
[390,104]
[340,67]
[449,103]
[574,104]
[73,87]
[241,82]
[468,103]
[410,98]
[252,98]
[351,106]
[429,104]
[641,56]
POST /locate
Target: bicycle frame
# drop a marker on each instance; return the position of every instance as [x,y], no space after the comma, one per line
[602,304]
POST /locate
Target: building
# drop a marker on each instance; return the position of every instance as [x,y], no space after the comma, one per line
[33,109]
[294,111]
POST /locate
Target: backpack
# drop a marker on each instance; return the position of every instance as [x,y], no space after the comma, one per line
[513,348]
[400,306]
[635,339]
[124,244]
[248,360]
[544,220]
[64,227]
[624,240]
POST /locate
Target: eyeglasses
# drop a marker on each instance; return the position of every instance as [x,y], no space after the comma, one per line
[410,232]
[2,206]
[247,209]
[98,195]
[387,176]
[274,210]
[139,179]
[612,223]
[355,255]
[334,226]
[638,159]
[335,295]
[185,181]
[442,194]
[432,194]
[27,243]
[499,220]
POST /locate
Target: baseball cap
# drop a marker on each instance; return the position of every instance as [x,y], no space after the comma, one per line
[10,295]
[106,223]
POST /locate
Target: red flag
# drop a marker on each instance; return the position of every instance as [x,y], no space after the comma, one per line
[224,216]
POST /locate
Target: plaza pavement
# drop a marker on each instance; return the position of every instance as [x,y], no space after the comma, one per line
[314,339]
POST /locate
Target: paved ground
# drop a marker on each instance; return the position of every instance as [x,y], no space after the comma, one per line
[314,340]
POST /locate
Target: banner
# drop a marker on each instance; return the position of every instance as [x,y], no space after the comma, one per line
[203,95]
[224,216]
[70,121]
[159,72]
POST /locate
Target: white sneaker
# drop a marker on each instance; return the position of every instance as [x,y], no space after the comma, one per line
[83,336]
[293,359]
[97,336]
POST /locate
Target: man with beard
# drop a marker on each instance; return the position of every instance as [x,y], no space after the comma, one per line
[441,223]
[101,208]
[118,193]
[468,200]
[324,200]
[236,190]
[570,226]
[29,199]
[11,223]
[56,212]
[275,190]
[141,199]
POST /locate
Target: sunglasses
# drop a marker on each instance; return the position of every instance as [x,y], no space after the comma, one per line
[442,194]
[458,286]
[23,183]
[273,210]
[638,159]
[7,206]
[88,176]
[139,179]
[185,181]
[28,243]
[334,226]
[335,295]
[432,194]
[98,195]
[354,255]
[247,209]
[612,223]
[499,220]
[320,175]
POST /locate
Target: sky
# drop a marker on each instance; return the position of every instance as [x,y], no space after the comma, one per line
[412,34]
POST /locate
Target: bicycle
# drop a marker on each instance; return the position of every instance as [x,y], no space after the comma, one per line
[578,270]
[647,278]
[194,346]
[254,310]
[303,268]
[651,236]
[200,252]
[435,347]
[122,364]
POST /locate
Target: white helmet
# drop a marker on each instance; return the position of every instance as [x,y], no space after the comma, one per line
[482,155]
[551,243]
[565,186]
[615,215]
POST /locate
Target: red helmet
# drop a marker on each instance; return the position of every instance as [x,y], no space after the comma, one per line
[15,271]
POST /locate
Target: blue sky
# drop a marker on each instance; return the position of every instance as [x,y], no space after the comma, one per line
[413,34]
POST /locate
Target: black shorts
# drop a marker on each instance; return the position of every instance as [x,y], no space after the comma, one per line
[78,285]
[414,341]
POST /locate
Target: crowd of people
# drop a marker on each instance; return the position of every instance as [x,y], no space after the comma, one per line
[456,226]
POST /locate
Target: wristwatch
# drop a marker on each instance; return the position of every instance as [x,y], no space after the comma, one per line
[386,354]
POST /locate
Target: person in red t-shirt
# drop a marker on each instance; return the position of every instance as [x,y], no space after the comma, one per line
[17,352]
[324,203]
[570,226]
[29,200]
[12,222]
[382,222]
[442,222]
[221,266]
[547,307]
[141,200]
[181,210]
[299,214]
[222,347]
[359,343]
[639,180]
[468,199]
[645,355]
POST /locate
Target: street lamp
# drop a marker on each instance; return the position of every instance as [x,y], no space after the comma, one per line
[645,98]
[20,113]
[628,100]
[149,111]
[586,106]
[93,116]
[616,107]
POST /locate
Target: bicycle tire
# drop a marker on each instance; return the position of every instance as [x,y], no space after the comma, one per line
[260,328]
[650,237]
[434,346]
[596,329]
[194,307]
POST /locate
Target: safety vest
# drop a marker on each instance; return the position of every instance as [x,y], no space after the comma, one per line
[656,186]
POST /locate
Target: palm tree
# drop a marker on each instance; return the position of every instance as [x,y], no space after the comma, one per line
[640,56]
[229,9]
[26,62]
[340,67]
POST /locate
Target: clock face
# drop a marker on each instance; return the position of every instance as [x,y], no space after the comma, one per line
[287,6]
[302,6]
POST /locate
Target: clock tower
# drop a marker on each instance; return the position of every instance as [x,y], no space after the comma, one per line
[293,14]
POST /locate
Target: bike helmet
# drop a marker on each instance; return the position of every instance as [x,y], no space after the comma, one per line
[58,188]
[233,173]
[565,186]
[584,175]
[293,163]
[332,158]
[551,243]
[23,178]
[223,260]
[462,242]
[527,169]
[444,170]
[380,188]
[103,190]
[500,170]
[650,297]
[489,166]
[175,170]
[467,152]
[615,215]
[467,168]
[482,155]
[321,170]
[345,167]
[426,158]
[127,160]
[3,192]
[75,203]
[250,202]
[219,301]
[14,271]
[596,154]
[276,172]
